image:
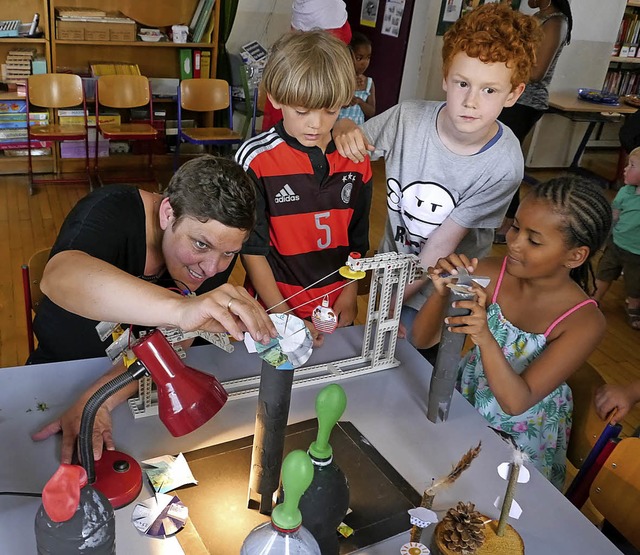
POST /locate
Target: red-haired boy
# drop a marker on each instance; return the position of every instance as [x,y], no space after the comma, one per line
[451,166]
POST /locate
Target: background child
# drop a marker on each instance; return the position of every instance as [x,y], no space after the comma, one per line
[363,103]
[313,204]
[534,324]
[451,168]
[622,253]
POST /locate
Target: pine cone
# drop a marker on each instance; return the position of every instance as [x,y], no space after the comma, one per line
[463,529]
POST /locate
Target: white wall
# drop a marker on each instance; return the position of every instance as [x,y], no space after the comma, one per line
[261,20]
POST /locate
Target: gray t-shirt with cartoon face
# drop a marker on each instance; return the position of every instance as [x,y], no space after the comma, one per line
[427,183]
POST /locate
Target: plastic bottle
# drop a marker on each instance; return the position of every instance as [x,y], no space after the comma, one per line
[326,501]
[284,534]
[74,517]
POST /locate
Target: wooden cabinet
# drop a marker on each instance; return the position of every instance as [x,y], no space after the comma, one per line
[154,59]
[24,10]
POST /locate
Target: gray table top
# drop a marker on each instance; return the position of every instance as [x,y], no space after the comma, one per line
[388,408]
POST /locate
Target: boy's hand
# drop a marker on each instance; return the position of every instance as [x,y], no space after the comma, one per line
[346,305]
[610,397]
[446,270]
[351,141]
[317,336]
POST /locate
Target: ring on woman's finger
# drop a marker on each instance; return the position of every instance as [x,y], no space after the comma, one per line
[229,304]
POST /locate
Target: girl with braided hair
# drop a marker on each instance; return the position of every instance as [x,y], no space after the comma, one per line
[534,324]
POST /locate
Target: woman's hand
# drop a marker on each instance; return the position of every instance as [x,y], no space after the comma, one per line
[226,308]
[69,425]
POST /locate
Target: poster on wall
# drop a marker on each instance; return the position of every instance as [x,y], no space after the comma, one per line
[452,10]
[393,12]
[369,13]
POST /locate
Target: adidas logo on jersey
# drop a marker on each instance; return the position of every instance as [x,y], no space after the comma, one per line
[286,194]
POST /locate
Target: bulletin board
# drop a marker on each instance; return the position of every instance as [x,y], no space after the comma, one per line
[452,10]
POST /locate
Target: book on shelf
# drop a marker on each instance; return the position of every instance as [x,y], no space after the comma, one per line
[22,117]
[21,124]
[24,152]
[196,15]
[12,144]
[196,63]
[186,63]
[205,64]
[203,20]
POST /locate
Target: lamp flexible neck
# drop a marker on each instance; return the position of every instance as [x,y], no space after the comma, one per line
[85,443]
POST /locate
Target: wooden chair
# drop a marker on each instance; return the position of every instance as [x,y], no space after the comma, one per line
[587,425]
[590,439]
[205,95]
[31,277]
[615,491]
[125,92]
[55,91]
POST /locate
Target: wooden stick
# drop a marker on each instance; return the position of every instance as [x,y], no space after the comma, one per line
[508,497]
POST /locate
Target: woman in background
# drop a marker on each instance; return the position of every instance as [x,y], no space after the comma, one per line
[556,23]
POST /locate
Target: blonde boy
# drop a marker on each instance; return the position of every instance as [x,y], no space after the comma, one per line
[313,204]
[451,167]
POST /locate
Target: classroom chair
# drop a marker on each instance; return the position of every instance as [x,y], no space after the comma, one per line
[54,91]
[31,276]
[205,96]
[124,92]
[615,491]
[591,437]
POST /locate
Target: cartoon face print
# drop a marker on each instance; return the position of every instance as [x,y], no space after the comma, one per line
[423,206]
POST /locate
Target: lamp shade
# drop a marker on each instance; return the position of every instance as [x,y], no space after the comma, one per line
[187,398]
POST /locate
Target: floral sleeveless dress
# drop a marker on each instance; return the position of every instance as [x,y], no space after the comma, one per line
[542,432]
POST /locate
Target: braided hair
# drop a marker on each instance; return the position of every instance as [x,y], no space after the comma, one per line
[586,214]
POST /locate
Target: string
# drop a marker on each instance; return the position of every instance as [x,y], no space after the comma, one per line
[302,291]
[318,297]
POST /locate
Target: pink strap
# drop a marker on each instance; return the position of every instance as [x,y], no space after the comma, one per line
[568,313]
[495,291]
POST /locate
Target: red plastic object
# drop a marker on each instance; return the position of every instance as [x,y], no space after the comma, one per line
[187,398]
[61,494]
[118,477]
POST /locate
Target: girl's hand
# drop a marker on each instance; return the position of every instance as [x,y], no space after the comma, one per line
[474,324]
[446,270]
[612,396]
[361,82]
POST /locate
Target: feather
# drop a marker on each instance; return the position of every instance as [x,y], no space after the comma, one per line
[458,469]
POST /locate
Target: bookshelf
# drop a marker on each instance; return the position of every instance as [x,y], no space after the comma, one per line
[23,11]
[155,59]
[623,76]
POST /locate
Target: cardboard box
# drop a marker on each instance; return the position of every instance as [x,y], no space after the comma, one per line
[123,32]
[70,30]
[96,31]
[91,120]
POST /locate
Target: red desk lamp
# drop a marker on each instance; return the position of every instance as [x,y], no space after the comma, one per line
[187,398]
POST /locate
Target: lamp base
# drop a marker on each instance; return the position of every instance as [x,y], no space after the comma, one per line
[118,477]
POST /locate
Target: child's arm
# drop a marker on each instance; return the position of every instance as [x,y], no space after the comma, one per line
[368,106]
[346,305]
[616,216]
[261,276]
[575,340]
[621,398]
[350,141]
[442,242]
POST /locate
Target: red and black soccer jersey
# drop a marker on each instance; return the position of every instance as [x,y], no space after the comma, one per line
[313,210]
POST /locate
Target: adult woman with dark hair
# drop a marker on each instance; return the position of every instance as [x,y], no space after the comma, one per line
[556,23]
